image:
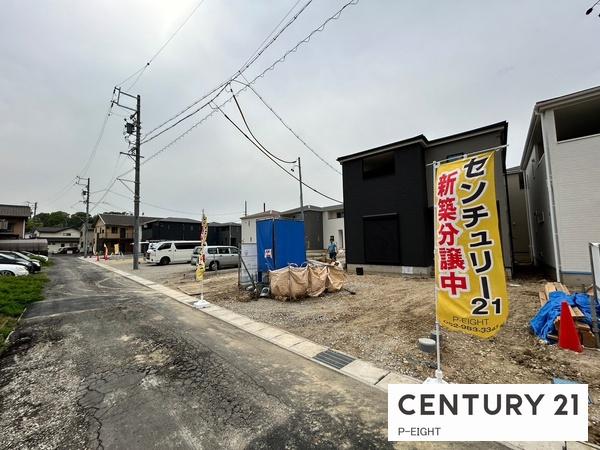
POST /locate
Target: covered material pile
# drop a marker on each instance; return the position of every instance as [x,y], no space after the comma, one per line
[298,282]
[546,323]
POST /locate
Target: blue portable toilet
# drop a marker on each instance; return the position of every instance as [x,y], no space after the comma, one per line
[279,242]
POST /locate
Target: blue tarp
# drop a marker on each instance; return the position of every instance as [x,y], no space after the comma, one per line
[279,242]
[543,323]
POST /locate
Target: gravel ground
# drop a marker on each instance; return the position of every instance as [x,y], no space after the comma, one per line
[383,321]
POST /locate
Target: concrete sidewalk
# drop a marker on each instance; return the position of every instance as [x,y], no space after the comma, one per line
[336,360]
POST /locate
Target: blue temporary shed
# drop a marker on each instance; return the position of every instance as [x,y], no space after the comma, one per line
[279,242]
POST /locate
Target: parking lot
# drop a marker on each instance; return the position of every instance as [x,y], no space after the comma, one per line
[163,274]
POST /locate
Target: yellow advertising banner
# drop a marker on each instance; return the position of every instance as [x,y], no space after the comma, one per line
[201,264]
[469,268]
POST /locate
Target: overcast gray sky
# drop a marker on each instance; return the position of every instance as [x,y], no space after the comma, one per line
[385,71]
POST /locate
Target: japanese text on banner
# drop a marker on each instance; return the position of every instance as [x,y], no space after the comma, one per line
[201,264]
[469,267]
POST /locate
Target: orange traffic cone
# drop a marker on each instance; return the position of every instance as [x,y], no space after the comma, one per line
[567,335]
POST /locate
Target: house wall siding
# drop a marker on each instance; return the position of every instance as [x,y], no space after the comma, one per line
[576,184]
[474,144]
[331,227]
[402,194]
[539,210]
[518,216]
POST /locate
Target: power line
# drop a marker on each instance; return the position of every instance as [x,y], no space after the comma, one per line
[243,68]
[252,134]
[273,160]
[289,128]
[282,59]
[98,140]
[142,69]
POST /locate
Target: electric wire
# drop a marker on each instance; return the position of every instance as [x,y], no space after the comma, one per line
[98,140]
[243,68]
[273,160]
[142,69]
[289,128]
[282,59]
[252,134]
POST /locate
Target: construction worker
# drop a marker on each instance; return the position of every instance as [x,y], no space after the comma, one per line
[332,249]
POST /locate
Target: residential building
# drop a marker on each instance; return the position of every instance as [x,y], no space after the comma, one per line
[562,182]
[229,233]
[320,223]
[388,201]
[515,182]
[13,219]
[171,228]
[111,229]
[249,224]
[90,238]
[59,237]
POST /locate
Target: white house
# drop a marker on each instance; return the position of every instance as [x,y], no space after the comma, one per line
[333,225]
[59,237]
[561,164]
[249,224]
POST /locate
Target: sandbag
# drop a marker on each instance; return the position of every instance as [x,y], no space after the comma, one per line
[298,282]
[279,282]
[317,280]
[335,278]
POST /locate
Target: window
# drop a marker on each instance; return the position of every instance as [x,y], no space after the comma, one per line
[185,245]
[66,234]
[211,250]
[379,165]
[233,250]
[114,230]
[223,251]
[165,246]
[62,245]
[339,214]
[576,121]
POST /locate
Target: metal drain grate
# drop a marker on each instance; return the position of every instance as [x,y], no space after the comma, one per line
[333,358]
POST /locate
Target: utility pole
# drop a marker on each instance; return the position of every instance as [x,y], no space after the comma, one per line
[86,194]
[135,154]
[35,209]
[301,199]
[136,196]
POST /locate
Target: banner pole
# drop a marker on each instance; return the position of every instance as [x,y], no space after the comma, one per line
[594,296]
[439,375]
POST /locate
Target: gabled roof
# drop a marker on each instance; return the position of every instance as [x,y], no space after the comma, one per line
[313,208]
[123,220]
[54,229]
[268,213]
[15,211]
[426,143]
[174,220]
[224,224]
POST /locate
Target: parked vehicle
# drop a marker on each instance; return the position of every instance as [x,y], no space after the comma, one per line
[171,252]
[20,255]
[34,255]
[67,250]
[217,256]
[7,259]
[12,270]
[39,246]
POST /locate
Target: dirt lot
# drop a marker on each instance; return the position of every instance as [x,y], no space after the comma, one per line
[383,321]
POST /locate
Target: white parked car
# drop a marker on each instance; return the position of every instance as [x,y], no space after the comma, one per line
[171,252]
[12,270]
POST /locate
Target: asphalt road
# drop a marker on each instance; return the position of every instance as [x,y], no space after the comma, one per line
[106,363]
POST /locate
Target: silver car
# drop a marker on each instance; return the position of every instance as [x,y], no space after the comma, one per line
[218,256]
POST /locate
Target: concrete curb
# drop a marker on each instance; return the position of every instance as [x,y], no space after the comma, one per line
[358,369]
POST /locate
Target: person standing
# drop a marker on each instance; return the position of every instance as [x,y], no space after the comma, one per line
[332,249]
